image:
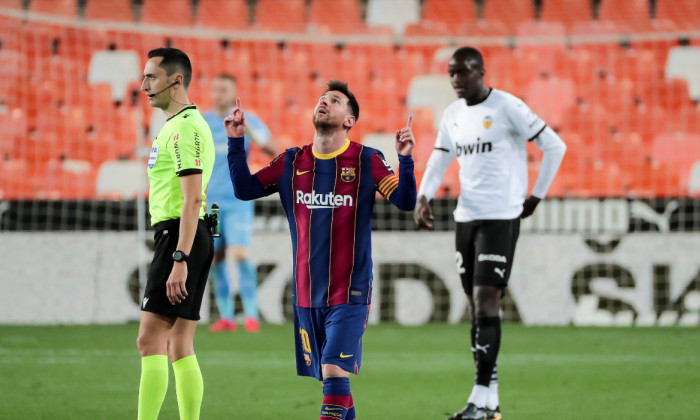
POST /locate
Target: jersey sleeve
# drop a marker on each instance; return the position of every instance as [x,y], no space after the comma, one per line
[185,148]
[257,130]
[439,160]
[385,180]
[270,175]
[526,124]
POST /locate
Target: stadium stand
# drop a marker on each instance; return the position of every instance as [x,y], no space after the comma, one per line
[613,99]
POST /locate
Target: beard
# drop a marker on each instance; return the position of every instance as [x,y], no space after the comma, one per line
[324,126]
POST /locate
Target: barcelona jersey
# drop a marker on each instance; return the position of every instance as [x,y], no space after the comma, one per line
[328,200]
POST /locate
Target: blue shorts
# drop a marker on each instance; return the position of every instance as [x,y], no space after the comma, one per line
[329,336]
[235,224]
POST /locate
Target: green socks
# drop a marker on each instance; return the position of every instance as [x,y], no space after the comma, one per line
[189,386]
[154,385]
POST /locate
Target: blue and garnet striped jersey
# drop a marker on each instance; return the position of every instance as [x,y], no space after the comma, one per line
[328,200]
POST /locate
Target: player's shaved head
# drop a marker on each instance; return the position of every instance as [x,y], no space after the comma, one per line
[174,61]
[342,87]
[469,53]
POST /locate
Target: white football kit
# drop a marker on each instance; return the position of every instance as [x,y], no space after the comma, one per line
[489,141]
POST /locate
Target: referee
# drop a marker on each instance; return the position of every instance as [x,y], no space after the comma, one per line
[179,168]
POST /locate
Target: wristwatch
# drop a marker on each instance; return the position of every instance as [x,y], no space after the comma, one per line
[179,256]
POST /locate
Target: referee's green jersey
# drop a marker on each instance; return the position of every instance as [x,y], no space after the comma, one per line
[184,146]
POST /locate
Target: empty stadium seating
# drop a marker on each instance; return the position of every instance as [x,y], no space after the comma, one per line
[628,111]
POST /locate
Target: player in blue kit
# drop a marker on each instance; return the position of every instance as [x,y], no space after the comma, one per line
[236,216]
[327,190]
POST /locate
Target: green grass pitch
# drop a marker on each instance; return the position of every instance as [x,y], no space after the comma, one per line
[421,373]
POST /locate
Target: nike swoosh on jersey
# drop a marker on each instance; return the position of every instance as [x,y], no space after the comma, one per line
[344,356]
[302,172]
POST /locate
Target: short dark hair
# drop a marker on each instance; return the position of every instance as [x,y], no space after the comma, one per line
[341,86]
[469,53]
[226,76]
[174,60]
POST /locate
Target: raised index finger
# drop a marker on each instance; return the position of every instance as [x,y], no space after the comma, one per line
[410,121]
[238,103]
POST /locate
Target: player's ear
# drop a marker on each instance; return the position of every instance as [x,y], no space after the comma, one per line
[349,122]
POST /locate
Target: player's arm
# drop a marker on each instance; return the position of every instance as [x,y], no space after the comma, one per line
[439,160]
[187,156]
[531,128]
[246,185]
[553,149]
[404,194]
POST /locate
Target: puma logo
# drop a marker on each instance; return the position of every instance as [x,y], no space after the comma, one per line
[641,210]
[483,348]
[500,271]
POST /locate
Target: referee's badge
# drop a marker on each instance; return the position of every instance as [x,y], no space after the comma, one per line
[487,122]
[347,174]
[153,157]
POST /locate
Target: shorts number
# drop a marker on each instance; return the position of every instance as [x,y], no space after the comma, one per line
[305,340]
[460,263]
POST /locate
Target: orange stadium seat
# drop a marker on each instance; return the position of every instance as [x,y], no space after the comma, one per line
[567,12]
[11,4]
[427,28]
[335,16]
[634,13]
[685,14]
[280,15]
[223,14]
[483,28]
[112,10]
[510,12]
[167,12]
[452,13]
[67,8]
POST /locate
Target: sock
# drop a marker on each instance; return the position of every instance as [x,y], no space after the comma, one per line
[492,400]
[337,399]
[222,290]
[488,341]
[249,287]
[154,385]
[189,387]
[473,347]
[479,395]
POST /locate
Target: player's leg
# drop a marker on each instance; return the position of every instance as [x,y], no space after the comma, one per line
[465,257]
[223,292]
[342,355]
[239,241]
[157,319]
[152,344]
[188,377]
[189,384]
[495,248]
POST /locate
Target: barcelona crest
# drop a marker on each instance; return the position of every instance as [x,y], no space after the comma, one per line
[307,358]
[347,174]
[487,122]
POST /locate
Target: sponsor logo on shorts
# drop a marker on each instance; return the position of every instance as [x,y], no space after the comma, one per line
[491,257]
[145,301]
[314,200]
[500,271]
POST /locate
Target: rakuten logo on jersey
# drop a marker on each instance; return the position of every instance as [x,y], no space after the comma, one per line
[314,200]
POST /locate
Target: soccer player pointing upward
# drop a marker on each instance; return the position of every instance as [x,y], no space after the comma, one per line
[327,189]
[487,131]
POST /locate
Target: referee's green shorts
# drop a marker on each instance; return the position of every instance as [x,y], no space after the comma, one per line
[155,298]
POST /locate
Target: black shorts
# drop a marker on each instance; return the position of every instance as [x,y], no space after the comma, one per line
[155,298]
[485,250]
